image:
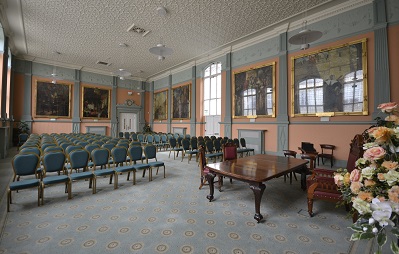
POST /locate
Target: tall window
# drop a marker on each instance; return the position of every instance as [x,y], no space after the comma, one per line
[310,96]
[212,90]
[249,100]
[353,92]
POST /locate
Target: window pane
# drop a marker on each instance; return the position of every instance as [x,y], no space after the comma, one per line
[302,84]
[207,72]
[219,87]
[206,89]
[213,69]
[319,82]
[212,107]
[206,108]
[310,83]
[213,87]
[219,109]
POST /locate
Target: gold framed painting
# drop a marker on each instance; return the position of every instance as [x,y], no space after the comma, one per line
[331,81]
[52,100]
[161,105]
[254,92]
[181,98]
[96,102]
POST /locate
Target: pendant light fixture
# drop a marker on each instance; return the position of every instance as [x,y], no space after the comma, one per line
[161,50]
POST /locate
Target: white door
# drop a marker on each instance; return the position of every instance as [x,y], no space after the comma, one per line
[212,126]
[127,122]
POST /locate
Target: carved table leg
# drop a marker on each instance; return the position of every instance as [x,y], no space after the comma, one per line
[210,177]
[258,189]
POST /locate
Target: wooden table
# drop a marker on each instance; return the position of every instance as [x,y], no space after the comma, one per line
[255,170]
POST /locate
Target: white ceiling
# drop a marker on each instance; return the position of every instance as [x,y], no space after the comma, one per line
[87,31]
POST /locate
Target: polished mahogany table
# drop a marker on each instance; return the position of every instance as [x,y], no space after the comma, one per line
[255,170]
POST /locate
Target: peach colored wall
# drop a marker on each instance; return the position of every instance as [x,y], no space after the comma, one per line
[122,96]
[393,42]
[199,117]
[338,135]
[85,123]
[53,127]
[160,127]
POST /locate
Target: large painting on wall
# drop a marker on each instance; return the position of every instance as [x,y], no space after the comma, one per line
[161,105]
[96,102]
[52,100]
[181,97]
[254,92]
[331,81]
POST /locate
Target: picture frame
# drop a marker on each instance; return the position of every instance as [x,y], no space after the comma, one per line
[161,105]
[52,100]
[96,102]
[331,81]
[181,100]
[254,92]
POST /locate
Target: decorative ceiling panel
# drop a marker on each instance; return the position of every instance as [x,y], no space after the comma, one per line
[84,32]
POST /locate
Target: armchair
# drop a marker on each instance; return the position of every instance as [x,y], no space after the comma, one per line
[321,183]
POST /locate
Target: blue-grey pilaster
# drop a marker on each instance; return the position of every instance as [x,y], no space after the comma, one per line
[3,88]
[114,121]
[76,106]
[282,100]
[151,118]
[381,64]
[228,101]
[169,130]
[142,111]
[27,111]
[193,102]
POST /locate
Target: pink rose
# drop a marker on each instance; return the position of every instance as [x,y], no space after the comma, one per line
[338,179]
[392,118]
[374,153]
[388,107]
[355,187]
[393,194]
[355,175]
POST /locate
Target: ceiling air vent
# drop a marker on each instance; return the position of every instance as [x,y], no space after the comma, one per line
[138,30]
[103,63]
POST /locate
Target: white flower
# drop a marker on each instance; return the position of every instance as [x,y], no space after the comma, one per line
[375,230]
[391,177]
[395,207]
[368,172]
[361,206]
[371,221]
[382,212]
[369,145]
[361,161]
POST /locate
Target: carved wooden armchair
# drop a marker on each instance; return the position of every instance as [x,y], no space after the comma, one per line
[321,183]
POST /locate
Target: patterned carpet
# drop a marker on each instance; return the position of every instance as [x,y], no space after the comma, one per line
[171,215]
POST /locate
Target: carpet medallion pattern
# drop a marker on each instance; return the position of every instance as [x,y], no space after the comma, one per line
[171,215]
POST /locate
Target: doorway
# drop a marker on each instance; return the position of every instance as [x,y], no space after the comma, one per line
[128,122]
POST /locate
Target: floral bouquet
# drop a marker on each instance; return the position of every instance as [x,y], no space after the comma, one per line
[373,186]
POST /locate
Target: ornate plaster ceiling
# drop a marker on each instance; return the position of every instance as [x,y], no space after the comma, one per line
[84,32]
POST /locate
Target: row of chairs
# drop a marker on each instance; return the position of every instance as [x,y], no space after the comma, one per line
[43,166]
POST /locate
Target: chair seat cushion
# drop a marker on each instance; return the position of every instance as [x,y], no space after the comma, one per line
[125,168]
[24,184]
[177,149]
[192,152]
[156,164]
[55,179]
[104,172]
[211,155]
[81,175]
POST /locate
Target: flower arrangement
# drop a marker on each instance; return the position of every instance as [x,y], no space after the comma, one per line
[373,186]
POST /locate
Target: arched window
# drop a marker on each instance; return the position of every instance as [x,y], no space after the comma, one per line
[310,96]
[212,89]
[353,92]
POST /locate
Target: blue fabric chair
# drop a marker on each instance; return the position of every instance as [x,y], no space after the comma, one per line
[119,155]
[188,150]
[150,152]
[53,149]
[244,147]
[24,165]
[173,147]
[79,159]
[55,162]
[22,138]
[100,158]
[136,154]
[36,150]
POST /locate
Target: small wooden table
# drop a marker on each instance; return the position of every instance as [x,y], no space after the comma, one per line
[255,170]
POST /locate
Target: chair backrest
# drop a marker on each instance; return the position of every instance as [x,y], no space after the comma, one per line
[135,143]
[34,150]
[164,138]
[288,153]
[172,142]
[150,152]
[123,144]
[127,135]
[23,137]
[118,154]
[140,137]
[45,145]
[71,148]
[82,143]
[100,157]
[326,148]
[135,153]
[185,144]
[91,147]
[157,139]
[229,151]
[64,145]
[53,162]
[53,149]
[209,146]
[109,146]
[194,144]
[237,142]
[355,152]
[134,136]
[243,143]
[308,147]
[217,145]
[120,134]
[25,164]
[179,139]
[78,158]
[150,139]
[202,159]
